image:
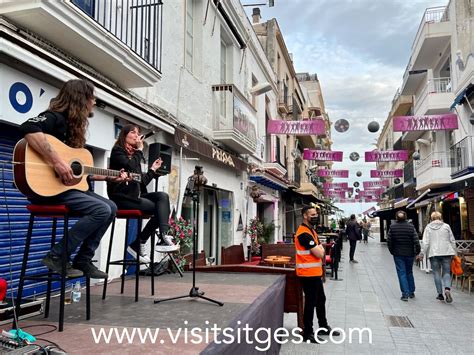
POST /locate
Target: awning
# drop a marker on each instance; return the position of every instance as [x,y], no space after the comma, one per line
[409,206]
[431,197]
[402,203]
[386,212]
[268,181]
[463,95]
[189,141]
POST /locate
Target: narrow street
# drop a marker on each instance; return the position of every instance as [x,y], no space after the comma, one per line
[369,293]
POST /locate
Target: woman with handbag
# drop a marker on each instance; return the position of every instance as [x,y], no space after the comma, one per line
[439,245]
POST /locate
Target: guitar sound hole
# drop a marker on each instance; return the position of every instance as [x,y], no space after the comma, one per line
[76,168]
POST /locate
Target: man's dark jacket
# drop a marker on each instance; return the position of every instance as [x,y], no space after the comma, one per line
[353,230]
[402,239]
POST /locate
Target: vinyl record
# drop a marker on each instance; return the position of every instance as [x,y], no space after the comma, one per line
[341,125]
[356,184]
[354,156]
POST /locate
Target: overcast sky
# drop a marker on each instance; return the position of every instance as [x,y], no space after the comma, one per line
[359,49]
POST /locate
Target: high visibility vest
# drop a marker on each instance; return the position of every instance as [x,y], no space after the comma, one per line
[306,263]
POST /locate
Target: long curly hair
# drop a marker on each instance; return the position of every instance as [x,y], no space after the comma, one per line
[73,100]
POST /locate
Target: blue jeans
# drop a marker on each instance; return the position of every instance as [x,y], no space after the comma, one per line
[444,263]
[404,265]
[97,213]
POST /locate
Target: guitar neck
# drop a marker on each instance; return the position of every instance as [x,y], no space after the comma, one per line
[92,170]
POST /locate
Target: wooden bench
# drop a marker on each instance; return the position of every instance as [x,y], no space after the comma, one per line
[200,260]
[232,255]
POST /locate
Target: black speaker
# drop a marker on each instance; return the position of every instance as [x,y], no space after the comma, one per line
[163,151]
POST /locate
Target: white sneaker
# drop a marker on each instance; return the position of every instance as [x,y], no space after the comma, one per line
[143,256]
[166,248]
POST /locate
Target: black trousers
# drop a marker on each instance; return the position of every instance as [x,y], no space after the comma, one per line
[153,203]
[352,249]
[314,297]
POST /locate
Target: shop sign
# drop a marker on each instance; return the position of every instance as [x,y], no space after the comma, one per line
[386,155]
[299,128]
[194,144]
[447,121]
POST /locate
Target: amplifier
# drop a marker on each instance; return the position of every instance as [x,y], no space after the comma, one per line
[29,308]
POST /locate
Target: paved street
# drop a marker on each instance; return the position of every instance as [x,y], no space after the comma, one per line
[369,293]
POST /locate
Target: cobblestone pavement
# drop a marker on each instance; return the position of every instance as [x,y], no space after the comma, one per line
[369,293]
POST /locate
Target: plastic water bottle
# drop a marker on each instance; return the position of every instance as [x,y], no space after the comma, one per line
[76,292]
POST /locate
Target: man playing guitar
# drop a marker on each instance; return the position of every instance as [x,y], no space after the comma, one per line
[67,119]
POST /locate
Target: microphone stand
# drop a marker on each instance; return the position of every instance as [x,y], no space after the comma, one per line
[192,191]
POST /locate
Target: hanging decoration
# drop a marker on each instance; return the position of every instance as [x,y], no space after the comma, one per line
[354,156]
[373,127]
[341,125]
[386,155]
[359,173]
[356,184]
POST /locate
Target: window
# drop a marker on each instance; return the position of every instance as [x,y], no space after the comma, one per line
[223,62]
[189,39]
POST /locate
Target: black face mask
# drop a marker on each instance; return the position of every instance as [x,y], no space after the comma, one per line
[313,221]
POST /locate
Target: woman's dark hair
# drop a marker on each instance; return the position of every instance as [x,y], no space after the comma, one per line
[73,100]
[401,216]
[123,134]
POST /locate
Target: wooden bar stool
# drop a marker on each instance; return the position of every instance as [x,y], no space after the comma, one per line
[54,212]
[128,215]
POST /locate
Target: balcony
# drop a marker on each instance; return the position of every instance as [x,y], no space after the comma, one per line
[401,104]
[462,158]
[432,38]
[434,171]
[294,175]
[435,97]
[284,98]
[409,174]
[122,41]
[234,119]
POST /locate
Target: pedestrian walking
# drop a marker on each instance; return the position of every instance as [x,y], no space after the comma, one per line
[353,234]
[365,231]
[439,246]
[404,244]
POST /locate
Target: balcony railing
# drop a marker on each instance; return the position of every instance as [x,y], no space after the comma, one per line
[431,15]
[434,86]
[462,156]
[434,160]
[441,85]
[136,23]
[409,172]
[234,119]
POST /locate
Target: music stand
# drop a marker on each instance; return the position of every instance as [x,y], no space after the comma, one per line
[193,191]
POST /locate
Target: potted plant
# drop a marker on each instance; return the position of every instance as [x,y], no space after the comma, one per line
[182,231]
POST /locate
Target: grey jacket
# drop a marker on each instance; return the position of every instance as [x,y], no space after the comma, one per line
[438,240]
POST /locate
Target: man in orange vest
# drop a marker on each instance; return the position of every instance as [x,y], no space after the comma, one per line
[309,269]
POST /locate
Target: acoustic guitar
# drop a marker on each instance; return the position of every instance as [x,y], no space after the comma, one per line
[34,177]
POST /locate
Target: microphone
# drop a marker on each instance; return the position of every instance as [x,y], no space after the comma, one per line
[149,134]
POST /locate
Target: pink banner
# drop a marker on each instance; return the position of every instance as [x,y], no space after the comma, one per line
[386,173]
[333,173]
[322,155]
[335,185]
[386,155]
[367,193]
[299,128]
[333,193]
[425,123]
[375,184]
